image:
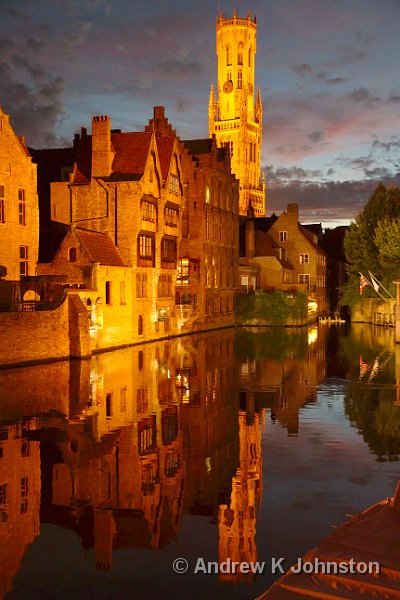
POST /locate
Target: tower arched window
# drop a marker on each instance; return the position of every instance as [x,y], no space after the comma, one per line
[140,325]
[250,59]
[240,79]
[240,54]
[228,55]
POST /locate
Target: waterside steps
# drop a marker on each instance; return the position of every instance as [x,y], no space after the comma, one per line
[370,538]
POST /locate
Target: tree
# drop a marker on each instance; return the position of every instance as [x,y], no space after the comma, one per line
[387,240]
[361,245]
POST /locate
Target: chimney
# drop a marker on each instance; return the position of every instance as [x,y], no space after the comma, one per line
[293,212]
[250,239]
[101,146]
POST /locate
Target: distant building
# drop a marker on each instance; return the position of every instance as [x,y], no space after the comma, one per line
[19,214]
[282,254]
[234,116]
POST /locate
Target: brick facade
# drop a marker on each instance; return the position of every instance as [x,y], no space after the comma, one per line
[19,212]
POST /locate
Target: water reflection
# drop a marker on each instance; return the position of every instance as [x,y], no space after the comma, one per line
[121,449]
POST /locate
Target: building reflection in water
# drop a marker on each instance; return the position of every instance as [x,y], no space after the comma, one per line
[119,448]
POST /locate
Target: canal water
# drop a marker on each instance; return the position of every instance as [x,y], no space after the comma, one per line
[241,445]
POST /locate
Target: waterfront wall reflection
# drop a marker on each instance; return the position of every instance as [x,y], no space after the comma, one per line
[123,446]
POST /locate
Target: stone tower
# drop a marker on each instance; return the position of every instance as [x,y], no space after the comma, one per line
[234,115]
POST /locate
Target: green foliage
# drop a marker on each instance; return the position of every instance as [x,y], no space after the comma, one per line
[273,308]
[362,246]
[387,240]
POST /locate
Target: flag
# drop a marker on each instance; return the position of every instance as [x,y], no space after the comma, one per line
[363,283]
[374,281]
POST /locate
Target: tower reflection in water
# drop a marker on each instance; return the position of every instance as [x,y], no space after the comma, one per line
[133,440]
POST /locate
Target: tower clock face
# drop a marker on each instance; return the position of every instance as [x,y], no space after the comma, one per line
[228,87]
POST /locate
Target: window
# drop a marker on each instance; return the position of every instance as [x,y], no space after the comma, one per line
[165,286]
[122,292]
[21,207]
[140,325]
[183,272]
[168,253]
[140,360]
[108,292]
[23,260]
[305,278]
[146,250]
[141,285]
[229,76]
[240,79]
[25,448]
[109,406]
[151,174]
[249,57]
[72,255]
[123,394]
[304,259]
[283,236]
[208,225]
[2,217]
[142,400]
[240,54]
[207,194]
[173,184]
[149,212]
[228,55]
[171,217]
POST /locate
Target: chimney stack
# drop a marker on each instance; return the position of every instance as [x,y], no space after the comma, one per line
[101,146]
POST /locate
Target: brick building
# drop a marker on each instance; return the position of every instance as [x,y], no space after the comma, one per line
[209,248]
[284,255]
[19,213]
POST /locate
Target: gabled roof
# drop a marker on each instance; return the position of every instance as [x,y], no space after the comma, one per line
[100,247]
[131,151]
[165,146]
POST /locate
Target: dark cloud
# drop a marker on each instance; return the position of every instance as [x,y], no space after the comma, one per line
[303,69]
[336,80]
[394,97]
[316,136]
[378,173]
[361,95]
[392,144]
[285,174]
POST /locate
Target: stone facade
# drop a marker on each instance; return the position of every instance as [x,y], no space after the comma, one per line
[19,212]
[234,117]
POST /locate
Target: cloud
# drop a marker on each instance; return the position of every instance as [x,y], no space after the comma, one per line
[336,80]
[303,69]
[316,136]
[361,95]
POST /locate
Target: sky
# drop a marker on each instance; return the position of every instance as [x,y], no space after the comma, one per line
[328,71]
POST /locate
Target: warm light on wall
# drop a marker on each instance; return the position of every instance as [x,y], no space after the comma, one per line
[312,336]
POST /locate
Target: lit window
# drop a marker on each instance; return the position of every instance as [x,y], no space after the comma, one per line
[149,212]
[21,207]
[283,236]
[23,260]
[173,184]
[304,259]
[171,217]
[207,194]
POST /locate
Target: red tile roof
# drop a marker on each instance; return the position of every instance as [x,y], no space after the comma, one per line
[165,146]
[100,247]
[131,151]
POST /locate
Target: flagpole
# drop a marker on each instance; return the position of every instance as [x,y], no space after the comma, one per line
[381,284]
[369,283]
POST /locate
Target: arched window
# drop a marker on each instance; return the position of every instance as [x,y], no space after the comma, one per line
[228,55]
[250,51]
[72,255]
[140,325]
[240,54]
[240,79]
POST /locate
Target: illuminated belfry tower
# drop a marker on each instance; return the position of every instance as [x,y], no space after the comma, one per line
[234,115]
